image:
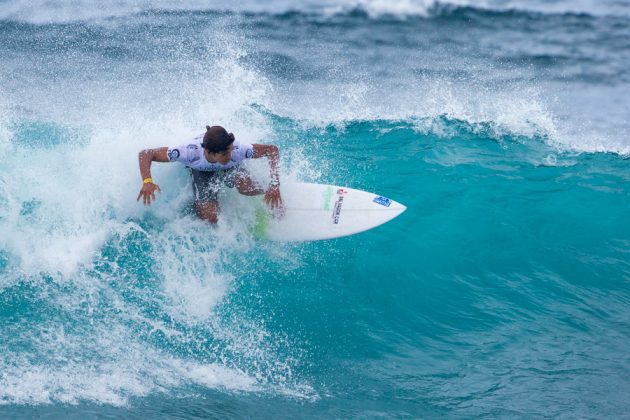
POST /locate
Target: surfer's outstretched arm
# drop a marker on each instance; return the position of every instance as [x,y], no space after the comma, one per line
[145,157]
[270,151]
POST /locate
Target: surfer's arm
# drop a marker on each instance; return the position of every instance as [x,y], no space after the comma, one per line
[145,157]
[270,151]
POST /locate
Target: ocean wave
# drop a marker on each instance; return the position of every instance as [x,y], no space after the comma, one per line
[405,10]
[56,12]
[124,304]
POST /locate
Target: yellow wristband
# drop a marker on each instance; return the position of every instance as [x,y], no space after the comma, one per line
[148,181]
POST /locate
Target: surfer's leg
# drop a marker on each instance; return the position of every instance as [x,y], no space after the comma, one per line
[206,190]
[208,210]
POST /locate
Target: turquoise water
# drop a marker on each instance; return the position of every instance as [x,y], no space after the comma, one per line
[503,290]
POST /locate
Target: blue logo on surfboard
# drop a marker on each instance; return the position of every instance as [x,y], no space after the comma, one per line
[382,201]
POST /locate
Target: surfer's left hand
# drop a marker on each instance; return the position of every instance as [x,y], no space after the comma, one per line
[272,197]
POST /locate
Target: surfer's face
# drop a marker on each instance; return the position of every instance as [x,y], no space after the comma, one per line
[219,157]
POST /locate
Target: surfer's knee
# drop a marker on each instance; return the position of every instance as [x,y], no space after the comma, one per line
[208,211]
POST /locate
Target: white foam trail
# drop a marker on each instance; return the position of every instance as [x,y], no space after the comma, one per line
[78,193]
[190,257]
[106,366]
[62,201]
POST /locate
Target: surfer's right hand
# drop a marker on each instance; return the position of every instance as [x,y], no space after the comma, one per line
[147,192]
[272,197]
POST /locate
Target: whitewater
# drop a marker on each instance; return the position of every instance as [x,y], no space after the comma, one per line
[503,290]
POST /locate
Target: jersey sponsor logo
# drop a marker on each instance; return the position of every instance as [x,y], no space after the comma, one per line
[341,191]
[173,154]
[192,154]
[383,201]
[337,210]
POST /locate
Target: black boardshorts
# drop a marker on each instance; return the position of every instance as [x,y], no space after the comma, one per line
[207,184]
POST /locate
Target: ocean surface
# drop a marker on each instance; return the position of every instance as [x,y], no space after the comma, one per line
[502,292]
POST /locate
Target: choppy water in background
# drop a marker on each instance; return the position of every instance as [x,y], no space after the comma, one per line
[503,291]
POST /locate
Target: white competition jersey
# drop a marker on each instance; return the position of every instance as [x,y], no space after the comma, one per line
[191,155]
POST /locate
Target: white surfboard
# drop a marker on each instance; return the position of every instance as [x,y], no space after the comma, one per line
[316,211]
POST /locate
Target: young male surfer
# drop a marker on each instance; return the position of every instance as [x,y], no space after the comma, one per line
[214,160]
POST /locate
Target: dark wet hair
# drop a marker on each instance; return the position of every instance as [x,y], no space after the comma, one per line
[217,139]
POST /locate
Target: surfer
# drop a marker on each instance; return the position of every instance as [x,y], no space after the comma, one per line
[214,160]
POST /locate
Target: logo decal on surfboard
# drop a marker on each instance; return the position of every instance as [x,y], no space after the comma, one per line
[337,210]
[383,201]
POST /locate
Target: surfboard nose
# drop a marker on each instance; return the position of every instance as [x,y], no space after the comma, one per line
[397,206]
[395,210]
[383,203]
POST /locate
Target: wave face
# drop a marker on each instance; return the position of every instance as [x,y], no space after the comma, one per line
[502,291]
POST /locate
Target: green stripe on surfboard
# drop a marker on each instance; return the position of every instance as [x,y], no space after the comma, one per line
[327,197]
[261,224]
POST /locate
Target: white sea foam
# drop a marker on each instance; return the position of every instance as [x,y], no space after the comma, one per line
[582,120]
[61,202]
[106,365]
